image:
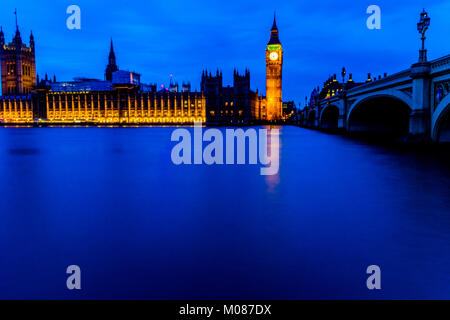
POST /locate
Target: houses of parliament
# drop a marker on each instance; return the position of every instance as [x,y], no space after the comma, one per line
[121,98]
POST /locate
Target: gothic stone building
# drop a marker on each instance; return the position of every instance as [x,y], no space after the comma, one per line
[120,98]
[18,77]
[231,105]
[18,69]
[274,70]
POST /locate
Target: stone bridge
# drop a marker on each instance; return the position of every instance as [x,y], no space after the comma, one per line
[414,102]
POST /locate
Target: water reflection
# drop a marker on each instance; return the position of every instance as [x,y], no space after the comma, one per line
[274,147]
[23,151]
[112,201]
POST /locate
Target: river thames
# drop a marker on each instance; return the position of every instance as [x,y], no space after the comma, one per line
[111,201]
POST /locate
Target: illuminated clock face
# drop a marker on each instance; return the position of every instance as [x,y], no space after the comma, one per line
[273,56]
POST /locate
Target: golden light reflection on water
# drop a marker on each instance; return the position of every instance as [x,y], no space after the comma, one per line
[272,181]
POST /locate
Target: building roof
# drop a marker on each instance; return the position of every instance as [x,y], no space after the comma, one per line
[274,39]
[81,86]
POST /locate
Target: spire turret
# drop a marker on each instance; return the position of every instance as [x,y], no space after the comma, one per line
[17,38]
[274,33]
[111,67]
[2,37]
[112,56]
[32,41]
[17,25]
[274,26]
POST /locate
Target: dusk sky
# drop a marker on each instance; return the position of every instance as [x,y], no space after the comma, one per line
[159,38]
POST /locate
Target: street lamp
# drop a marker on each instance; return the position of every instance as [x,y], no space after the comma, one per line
[343,73]
[422,27]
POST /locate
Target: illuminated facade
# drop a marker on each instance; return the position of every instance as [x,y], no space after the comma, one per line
[274,69]
[121,99]
[18,68]
[98,102]
[18,76]
[124,104]
[16,109]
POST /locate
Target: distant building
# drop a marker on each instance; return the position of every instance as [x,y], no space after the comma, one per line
[18,67]
[173,86]
[186,87]
[288,109]
[126,77]
[78,85]
[123,104]
[122,98]
[330,88]
[237,104]
[111,67]
[148,87]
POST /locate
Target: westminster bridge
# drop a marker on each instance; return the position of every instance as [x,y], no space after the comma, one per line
[414,102]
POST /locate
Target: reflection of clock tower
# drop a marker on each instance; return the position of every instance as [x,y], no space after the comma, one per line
[274,66]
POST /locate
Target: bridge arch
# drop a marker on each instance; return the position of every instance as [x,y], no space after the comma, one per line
[329,117]
[311,118]
[380,113]
[440,121]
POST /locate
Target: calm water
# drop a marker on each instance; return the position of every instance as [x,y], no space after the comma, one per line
[111,201]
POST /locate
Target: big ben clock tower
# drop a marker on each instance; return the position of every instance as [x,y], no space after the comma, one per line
[274,67]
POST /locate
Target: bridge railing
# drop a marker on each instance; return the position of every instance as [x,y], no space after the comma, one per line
[440,64]
[390,78]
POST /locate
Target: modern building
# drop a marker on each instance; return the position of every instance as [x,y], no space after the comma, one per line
[126,77]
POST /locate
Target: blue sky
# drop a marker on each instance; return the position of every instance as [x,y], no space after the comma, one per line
[159,38]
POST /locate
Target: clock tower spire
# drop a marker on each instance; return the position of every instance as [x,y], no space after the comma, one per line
[274,67]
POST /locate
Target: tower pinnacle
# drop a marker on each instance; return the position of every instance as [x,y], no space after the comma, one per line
[2,37]
[112,56]
[274,33]
[274,26]
[17,38]
[31,41]
[15,13]
[274,71]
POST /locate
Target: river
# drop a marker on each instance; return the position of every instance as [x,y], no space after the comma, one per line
[111,201]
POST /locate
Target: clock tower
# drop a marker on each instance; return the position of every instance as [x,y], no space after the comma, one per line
[274,67]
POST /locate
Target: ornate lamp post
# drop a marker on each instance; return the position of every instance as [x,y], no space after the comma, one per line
[422,27]
[419,118]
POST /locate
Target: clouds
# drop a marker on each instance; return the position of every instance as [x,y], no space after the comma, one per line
[160,38]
